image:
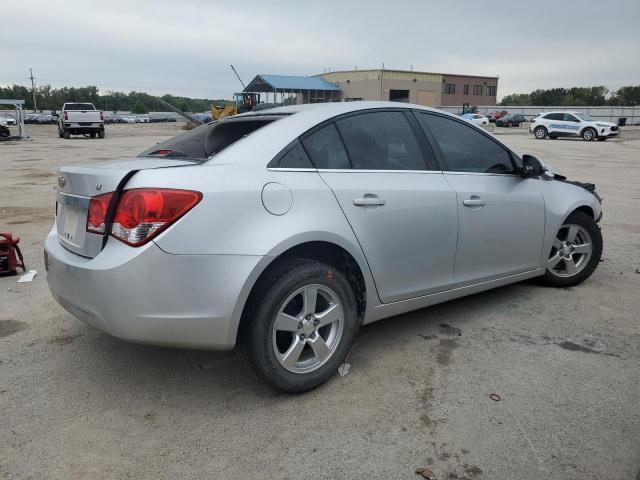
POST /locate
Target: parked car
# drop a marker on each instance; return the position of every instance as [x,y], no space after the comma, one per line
[493,116]
[510,120]
[4,128]
[80,119]
[129,119]
[281,232]
[475,118]
[8,120]
[142,119]
[572,124]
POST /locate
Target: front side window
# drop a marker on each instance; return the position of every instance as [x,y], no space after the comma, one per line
[325,148]
[464,148]
[570,118]
[381,141]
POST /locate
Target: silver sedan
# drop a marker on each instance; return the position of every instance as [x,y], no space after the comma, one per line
[281,232]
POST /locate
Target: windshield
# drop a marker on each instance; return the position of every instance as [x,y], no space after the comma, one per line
[584,117]
[79,106]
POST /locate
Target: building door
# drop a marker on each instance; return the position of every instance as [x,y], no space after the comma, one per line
[426,98]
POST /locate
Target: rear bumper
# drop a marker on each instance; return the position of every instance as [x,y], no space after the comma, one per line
[148,296]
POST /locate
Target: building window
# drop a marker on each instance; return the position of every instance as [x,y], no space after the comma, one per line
[466,89]
[477,89]
[491,91]
[450,88]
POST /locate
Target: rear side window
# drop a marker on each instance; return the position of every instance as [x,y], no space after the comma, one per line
[554,116]
[293,156]
[325,148]
[381,141]
[464,148]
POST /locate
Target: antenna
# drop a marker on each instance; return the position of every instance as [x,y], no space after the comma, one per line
[234,71]
[33,90]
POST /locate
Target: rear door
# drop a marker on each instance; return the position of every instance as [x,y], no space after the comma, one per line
[555,124]
[400,207]
[500,215]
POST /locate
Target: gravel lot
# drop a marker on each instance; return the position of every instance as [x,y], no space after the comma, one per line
[76,403]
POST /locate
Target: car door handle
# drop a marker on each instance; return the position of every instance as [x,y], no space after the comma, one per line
[368,200]
[474,201]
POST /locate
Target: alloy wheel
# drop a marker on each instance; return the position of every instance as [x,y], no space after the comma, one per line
[308,328]
[571,251]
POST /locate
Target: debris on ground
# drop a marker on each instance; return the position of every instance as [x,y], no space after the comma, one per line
[425,472]
[27,277]
[344,369]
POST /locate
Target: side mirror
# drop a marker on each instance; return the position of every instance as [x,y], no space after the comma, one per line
[531,167]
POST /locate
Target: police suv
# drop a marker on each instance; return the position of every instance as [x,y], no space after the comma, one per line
[571,124]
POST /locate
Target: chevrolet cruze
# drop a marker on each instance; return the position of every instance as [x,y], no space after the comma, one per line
[281,232]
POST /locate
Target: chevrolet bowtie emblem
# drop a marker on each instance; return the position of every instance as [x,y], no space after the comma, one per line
[62,181]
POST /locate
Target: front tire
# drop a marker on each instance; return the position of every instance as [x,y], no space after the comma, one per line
[298,325]
[575,253]
[101,134]
[540,133]
[589,134]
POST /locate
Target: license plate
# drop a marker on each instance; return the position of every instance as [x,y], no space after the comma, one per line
[70,223]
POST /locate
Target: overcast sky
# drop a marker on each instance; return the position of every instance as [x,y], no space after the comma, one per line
[185,47]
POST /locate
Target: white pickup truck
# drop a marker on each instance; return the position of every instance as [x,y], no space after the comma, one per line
[80,119]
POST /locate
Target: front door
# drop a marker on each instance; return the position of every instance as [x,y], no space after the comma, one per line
[402,213]
[500,215]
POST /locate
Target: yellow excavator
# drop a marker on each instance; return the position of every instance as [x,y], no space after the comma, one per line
[242,102]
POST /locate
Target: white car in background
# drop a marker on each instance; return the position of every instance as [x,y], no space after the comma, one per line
[476,118]
[129,119]
[143,119]
[8,120]
[571,124]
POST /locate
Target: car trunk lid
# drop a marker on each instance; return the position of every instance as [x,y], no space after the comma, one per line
[78,184]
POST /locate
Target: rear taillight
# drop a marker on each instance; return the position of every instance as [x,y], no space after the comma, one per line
[142,213]
[97,216]
[66,116]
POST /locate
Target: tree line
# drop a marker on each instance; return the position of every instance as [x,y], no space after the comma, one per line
[49,98]
[576,97]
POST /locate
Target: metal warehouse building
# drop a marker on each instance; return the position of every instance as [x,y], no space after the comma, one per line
[423,88]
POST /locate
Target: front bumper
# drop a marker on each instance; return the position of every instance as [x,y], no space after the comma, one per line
[148,296]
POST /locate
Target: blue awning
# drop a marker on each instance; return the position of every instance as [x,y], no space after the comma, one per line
[289,84]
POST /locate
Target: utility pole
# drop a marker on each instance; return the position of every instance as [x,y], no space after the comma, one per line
[33,90]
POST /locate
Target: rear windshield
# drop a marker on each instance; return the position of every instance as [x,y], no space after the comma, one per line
[210,139]
[79,106]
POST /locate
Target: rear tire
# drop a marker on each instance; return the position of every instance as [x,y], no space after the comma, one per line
[589,134]
[66,134]
[509,124]
[298,352]
[92,134]
[575,253]
[540,133]
[101,134]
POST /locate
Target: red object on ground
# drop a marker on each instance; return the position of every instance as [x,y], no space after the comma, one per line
[10,255]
